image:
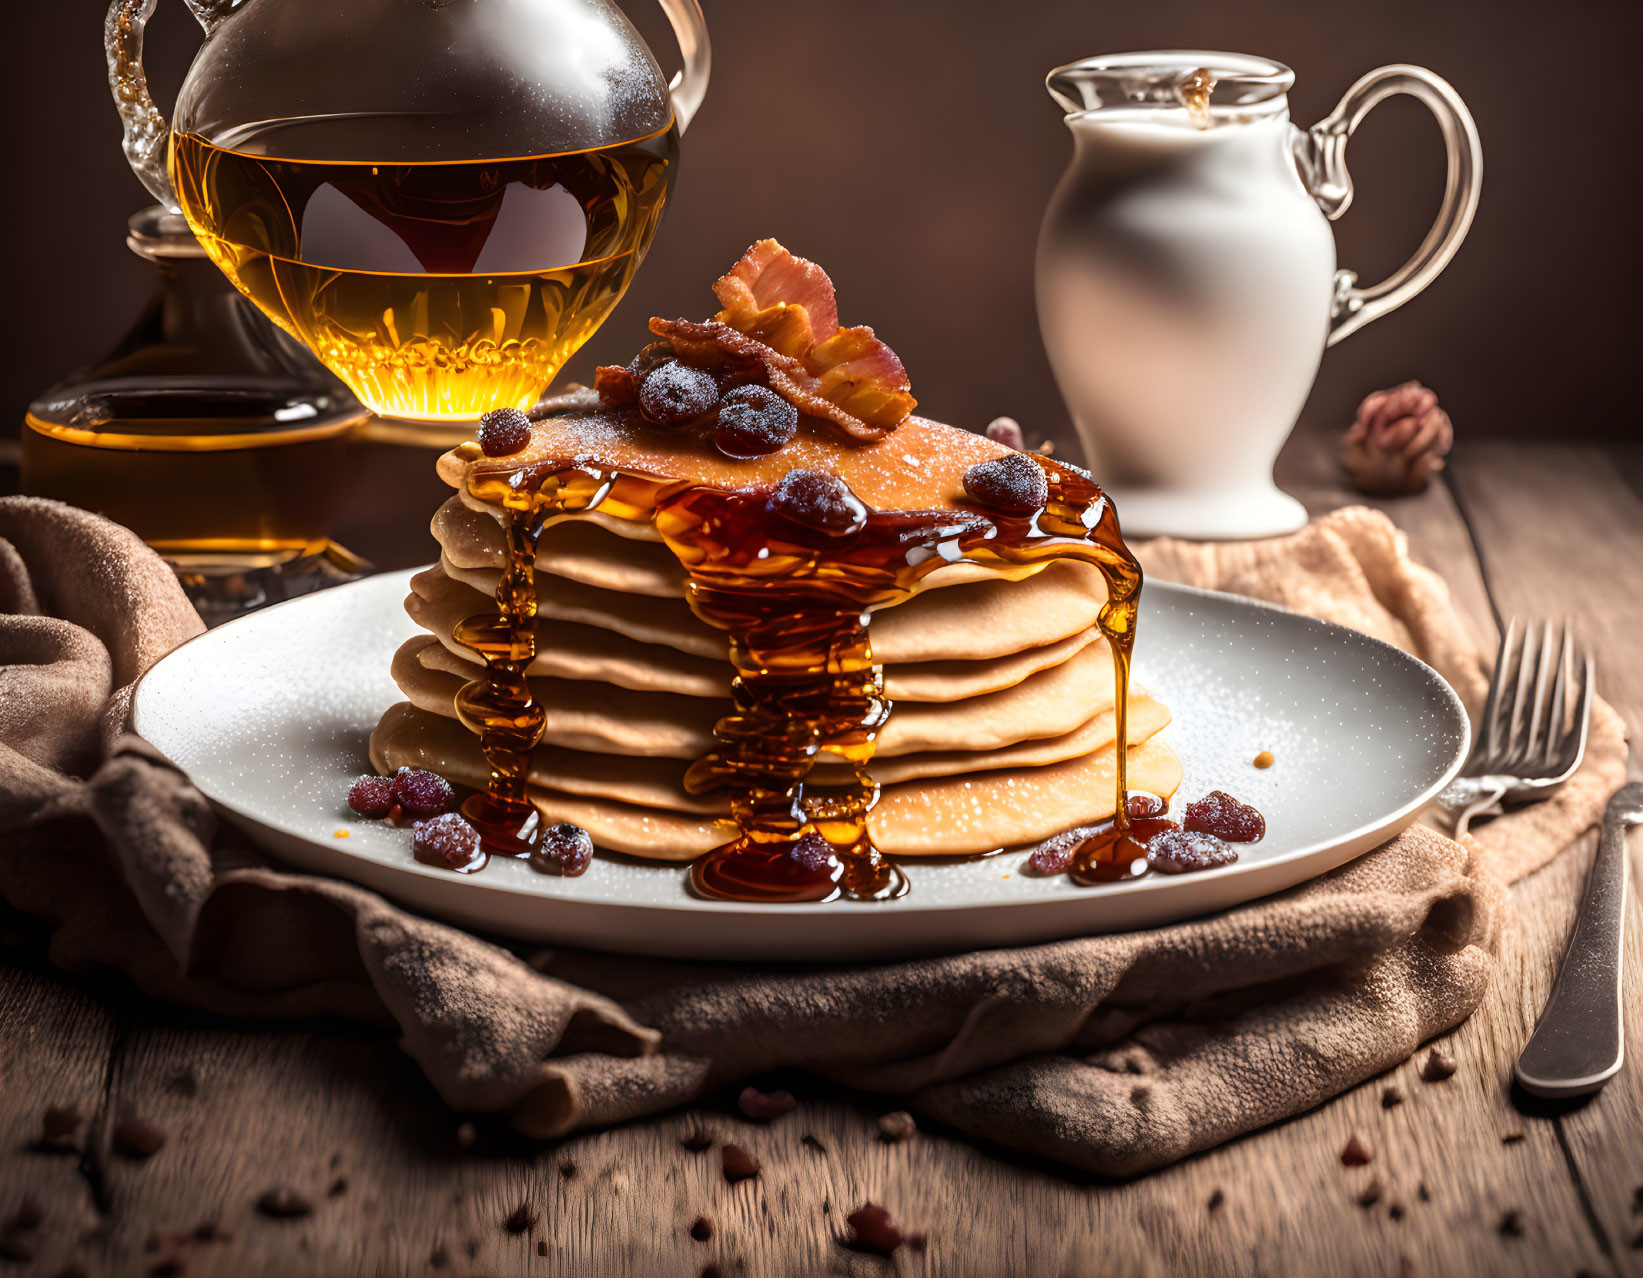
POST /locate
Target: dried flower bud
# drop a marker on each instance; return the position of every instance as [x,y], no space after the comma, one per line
[1398,441]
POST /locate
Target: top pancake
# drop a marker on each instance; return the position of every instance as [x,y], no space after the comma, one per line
[918,466]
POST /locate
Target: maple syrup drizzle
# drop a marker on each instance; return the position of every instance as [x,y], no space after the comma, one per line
[794,603]
[1117,850]
[500,707]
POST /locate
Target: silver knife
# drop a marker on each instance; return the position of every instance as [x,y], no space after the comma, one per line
[1579,1042]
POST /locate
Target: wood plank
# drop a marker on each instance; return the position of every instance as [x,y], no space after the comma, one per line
[1560,533]
[1566,515]
[54,1051]
[275,1108]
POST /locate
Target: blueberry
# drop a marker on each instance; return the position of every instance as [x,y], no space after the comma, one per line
[754,421]
[816,500]
[503,432]
[672,393]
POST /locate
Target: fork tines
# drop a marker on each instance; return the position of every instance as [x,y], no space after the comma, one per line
[1540,700]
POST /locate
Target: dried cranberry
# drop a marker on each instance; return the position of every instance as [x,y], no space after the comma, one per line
[446,840]
[1015,484]
[59,1123]
[738,1164]
[566,849]
[1182,851]
[421,793]
[1055,854]
[136,1138]
[819,501]
[762,1106]
[812,852]
[503,432]
[1223,816]
[372,796]
[873,1229]
[896,1126]
[283,1203]
[754,421]
[673,393]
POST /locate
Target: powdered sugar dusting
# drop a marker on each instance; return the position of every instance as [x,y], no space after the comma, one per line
[920,467]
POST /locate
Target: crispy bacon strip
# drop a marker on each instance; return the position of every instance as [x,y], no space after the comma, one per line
[787,305]
[783,300]
[711,343]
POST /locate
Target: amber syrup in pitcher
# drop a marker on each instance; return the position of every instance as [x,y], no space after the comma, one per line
[794,601]
[436,291]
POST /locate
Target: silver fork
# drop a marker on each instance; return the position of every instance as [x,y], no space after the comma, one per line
[1528,743]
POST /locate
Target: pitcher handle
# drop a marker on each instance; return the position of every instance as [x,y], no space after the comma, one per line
[1321,156]
[147,140]
[689,85]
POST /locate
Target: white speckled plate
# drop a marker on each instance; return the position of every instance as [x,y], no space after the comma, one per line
[270,715]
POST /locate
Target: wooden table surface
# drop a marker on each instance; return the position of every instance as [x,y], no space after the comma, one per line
[1468,1182]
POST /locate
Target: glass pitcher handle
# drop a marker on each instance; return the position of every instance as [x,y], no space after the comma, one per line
[1321,155]
[689,86]
[147,135]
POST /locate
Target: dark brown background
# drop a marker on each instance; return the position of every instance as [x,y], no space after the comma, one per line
[908,145]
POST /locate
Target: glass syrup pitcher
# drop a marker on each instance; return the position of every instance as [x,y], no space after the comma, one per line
[442,199]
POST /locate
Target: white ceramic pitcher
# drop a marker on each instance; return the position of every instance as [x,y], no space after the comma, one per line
[1186,273]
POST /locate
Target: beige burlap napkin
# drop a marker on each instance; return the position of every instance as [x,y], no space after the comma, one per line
[1114,1053]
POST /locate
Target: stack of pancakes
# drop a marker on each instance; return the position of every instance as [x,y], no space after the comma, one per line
[1002,729]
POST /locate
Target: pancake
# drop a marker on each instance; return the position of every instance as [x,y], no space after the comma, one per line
[655,782]
[1060,704]
[610,720]
[576,549]
[973,621]
[952,816]
[584,652]
[569,649]
[579,548]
